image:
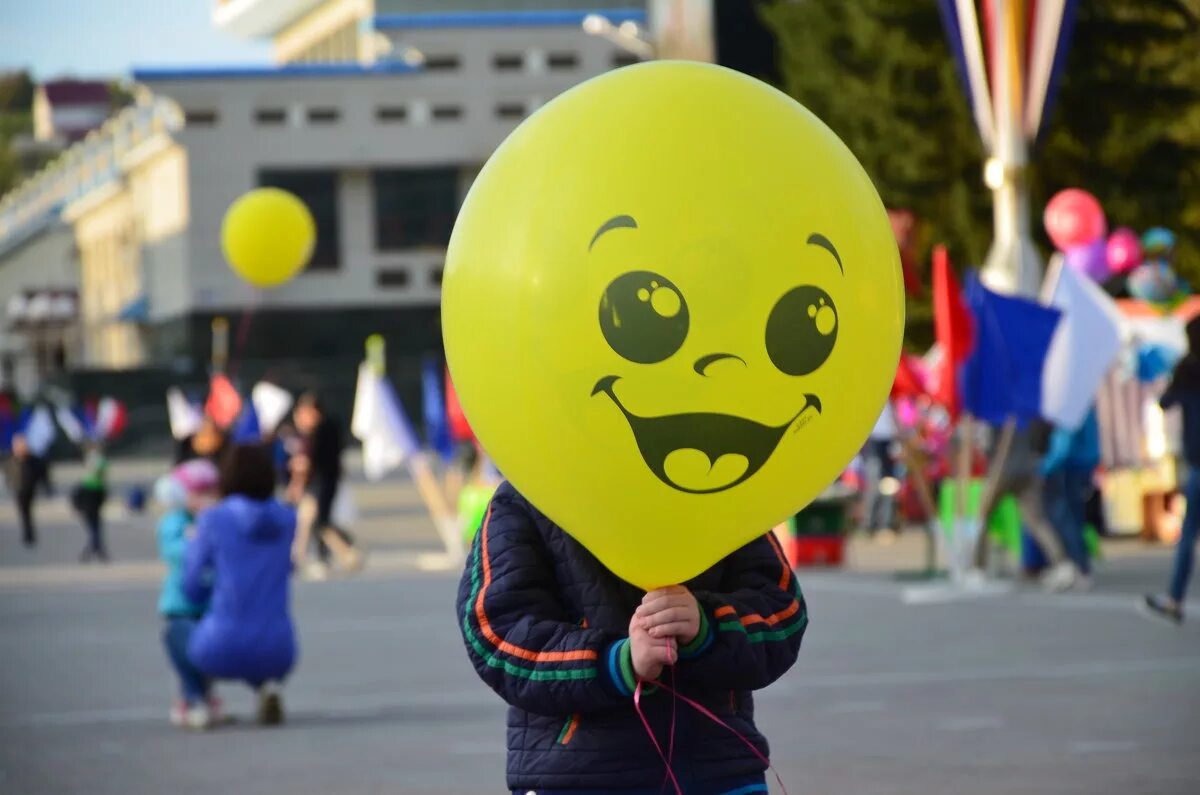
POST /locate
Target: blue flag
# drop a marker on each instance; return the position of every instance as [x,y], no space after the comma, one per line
[248,430]
[437,425]
[1003,376]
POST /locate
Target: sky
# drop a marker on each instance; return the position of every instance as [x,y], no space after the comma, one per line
[106,38]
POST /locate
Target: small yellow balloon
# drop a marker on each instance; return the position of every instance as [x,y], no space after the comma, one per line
[268,236]
[673,308]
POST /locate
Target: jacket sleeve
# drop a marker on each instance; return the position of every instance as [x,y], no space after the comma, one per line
[519,636]
[198,562]
[1058,452]
[750,632]
[172,538]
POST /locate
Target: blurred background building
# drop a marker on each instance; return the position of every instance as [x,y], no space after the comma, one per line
[377,113]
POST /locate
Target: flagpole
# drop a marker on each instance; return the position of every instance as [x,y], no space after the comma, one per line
[220,344]
[1012,264]
[914,461]
[991,489]
[961,513]
[444,519]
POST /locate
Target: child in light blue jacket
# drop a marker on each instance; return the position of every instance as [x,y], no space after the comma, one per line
[188,490]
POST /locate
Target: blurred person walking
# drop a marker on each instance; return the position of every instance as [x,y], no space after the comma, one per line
[1068,468]
[240,563]
[88,500]
[185,494]
[1184,392]
[316,477]
[1021,476]
[25,472]
[879,469]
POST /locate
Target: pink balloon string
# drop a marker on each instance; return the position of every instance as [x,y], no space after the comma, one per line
[637,706]
[676,697]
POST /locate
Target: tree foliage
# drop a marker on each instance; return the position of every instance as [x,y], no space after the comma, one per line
[1125,125]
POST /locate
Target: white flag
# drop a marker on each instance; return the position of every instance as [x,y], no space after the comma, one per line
[271,404]
[185,418]
[379,423]
[40,432]
[1083,348]
[70,424]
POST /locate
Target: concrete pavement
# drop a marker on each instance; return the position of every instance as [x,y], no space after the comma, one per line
[1023,693]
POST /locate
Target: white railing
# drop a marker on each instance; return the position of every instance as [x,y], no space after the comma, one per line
[85,166]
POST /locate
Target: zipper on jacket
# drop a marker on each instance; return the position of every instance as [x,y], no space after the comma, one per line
[572,725]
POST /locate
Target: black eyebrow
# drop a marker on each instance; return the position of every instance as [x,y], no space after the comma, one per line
[817,239]
[619,222]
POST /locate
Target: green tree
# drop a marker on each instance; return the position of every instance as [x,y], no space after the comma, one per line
[1125,125]
[10,168]
[878,72]
[16,92]
[1127,121]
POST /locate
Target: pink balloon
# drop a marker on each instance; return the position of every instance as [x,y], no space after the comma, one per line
[1074,218]
[1124,250]
[1089,259]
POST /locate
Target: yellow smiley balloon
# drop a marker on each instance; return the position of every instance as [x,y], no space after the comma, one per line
[268,236]
[673,309]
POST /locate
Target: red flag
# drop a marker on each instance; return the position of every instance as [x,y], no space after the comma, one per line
[111,419]
[953,327]
[460,429]
[224,403]
[910,382]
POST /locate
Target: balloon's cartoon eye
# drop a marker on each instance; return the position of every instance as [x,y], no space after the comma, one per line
[644,317]
[802,330]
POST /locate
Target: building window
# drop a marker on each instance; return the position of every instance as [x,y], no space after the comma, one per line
[392,277]
[319,191]
[414,208]
[508,62]
[270,116]
[440,63]
[562,60]
[391,114]
[620,59]
[510,110]
[447,112]
[200,118]
[323,115]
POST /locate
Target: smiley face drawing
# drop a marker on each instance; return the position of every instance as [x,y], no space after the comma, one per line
[672,309]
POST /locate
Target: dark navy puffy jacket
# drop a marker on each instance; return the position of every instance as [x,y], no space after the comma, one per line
[242,555]
[546,627]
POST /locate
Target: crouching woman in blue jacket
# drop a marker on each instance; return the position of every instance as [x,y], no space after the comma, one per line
[240,562]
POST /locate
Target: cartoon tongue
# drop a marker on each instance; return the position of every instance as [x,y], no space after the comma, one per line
[691,469]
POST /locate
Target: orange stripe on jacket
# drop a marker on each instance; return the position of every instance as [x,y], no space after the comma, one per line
[786,576]
[784,580]
[499,642]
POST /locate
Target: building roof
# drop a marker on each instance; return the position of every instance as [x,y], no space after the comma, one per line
[150,74]
[76,92]
[506,19]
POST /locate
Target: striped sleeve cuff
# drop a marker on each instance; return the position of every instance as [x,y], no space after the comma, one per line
[702,641]
[619,668]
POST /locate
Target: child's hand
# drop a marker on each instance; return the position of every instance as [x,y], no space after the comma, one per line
[671,613]
[649,654]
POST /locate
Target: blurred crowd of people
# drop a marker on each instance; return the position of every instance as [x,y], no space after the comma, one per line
[1049,473]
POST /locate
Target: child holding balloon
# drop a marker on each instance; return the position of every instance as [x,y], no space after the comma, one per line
[626,603]
[568,644]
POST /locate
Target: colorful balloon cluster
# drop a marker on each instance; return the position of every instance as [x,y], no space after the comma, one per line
[1076,224]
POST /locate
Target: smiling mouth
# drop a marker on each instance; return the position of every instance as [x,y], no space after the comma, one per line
[702,452]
